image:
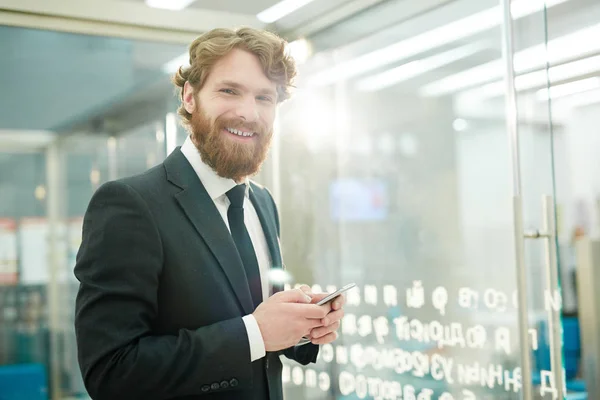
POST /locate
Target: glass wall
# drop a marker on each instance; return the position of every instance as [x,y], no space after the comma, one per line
[410,192]
[76,112]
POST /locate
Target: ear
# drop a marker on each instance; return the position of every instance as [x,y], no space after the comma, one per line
[189,100]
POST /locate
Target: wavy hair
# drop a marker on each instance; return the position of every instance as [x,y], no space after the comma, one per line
[210,47]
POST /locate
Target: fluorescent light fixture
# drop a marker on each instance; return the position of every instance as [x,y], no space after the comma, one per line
[416,68]
[173,66]
[580,100]
[169,4]
[281,9]
[568,89]
[563,48]
[538,79]
[438,37]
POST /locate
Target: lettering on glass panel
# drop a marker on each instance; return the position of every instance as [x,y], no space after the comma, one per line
[380,344]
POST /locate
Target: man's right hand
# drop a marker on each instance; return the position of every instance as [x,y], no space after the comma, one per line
[285,317]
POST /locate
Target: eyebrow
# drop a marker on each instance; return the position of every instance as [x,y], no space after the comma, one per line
[242,87]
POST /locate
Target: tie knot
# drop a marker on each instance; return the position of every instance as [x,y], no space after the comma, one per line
[236,196]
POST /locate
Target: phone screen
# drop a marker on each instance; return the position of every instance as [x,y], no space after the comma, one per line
[335,294]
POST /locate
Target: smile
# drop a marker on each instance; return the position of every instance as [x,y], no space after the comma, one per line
[239,132]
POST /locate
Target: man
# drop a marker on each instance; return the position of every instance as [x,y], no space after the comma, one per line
[174,301]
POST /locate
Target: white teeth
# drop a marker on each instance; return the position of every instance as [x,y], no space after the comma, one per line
[240,133]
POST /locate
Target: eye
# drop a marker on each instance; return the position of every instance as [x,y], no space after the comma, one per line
[228,91]
[265,98]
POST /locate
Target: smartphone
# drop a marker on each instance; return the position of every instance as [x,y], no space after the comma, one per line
[325,300]
[332,296]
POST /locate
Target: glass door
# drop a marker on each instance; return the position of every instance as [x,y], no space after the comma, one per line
[452,168]
[432,184]
[551,88]
[532,139]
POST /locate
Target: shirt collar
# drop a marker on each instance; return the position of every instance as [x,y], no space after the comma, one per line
[215,185]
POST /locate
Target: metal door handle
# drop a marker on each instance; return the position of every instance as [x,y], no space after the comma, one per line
[548,233]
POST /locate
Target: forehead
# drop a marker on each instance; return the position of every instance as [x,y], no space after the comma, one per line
[241,67]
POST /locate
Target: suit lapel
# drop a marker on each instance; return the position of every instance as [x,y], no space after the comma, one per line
[268,226]
[202,212]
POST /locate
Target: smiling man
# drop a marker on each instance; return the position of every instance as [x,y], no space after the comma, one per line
[175,300]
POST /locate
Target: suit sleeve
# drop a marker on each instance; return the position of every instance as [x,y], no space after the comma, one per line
[119,266]
[307,353]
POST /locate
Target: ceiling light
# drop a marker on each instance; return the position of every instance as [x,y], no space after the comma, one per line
[563,48]
[416,68]
[280,10]
[169,4]
[438,37]
[538,79]
[568,89]
[580,100]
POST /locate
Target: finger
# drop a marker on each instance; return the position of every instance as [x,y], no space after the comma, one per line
[326,308]
[339,302]
[310,325]
[310,311]
[316,297]
[292,296]
[332,317]
[324,330]
[306,289]
[326,339]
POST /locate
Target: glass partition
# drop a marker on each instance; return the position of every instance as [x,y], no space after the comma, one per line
[76,111]
[399,175]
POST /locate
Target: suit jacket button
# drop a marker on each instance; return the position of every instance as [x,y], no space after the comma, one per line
[205,388]
[224,385]
[233,382]
[215,386]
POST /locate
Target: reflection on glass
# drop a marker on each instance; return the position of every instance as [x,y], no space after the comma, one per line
[408,192]
[90,108]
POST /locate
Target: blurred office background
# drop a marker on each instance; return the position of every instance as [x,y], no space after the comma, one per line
[396,162]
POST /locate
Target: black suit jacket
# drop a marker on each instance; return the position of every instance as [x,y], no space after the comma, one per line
[163,291]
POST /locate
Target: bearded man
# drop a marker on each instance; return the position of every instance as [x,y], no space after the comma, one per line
[175,300]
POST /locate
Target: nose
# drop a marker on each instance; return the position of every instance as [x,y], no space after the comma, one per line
[247,109]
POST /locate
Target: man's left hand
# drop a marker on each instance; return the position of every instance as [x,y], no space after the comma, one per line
[326,333]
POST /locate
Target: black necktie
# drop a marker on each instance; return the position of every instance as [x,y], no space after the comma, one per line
[235,215]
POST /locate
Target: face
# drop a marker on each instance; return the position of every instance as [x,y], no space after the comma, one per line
[233,115]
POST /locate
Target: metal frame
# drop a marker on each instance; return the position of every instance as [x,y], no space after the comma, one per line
[552,284]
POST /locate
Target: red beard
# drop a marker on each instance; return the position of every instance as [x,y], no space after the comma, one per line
[228,157]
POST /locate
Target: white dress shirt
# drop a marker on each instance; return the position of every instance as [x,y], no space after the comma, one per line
[217,187]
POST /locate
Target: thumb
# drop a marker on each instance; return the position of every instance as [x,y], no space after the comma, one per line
[293,296]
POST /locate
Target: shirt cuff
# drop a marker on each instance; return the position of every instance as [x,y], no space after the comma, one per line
[255,339]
